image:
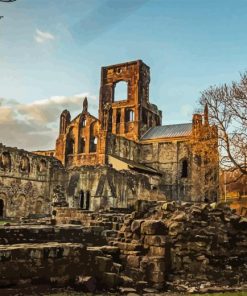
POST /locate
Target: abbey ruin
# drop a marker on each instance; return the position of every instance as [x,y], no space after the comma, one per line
[110,162]
[123,203]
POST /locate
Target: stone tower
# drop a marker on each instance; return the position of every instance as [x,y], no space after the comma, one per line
[132,115]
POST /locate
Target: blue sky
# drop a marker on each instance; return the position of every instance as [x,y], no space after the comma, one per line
[51,52]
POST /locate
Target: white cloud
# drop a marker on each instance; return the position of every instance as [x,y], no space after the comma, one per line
[35,125]
[42,37]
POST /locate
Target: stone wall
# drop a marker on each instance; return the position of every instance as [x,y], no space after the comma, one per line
[55,264]
[26,182]
[196,246]
[23,234]
[107,187]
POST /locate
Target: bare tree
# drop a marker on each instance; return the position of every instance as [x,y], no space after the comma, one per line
[227,105]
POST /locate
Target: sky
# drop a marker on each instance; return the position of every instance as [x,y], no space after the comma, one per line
[51,53]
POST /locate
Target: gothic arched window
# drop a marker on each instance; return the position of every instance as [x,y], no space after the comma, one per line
[184,173]
[121,91]
[82,145]
[129,115]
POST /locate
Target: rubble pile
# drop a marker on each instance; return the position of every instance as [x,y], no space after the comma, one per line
[171,246]
[183,245]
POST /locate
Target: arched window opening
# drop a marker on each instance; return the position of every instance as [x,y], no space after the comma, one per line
[1,208]
[118,119]
[93,144]
[83,122]
[82,145]
[129,115]
[93,138]
[25,164]
[42,167]
[87,200]
[70,146]
[6,161]
[121,91]
[81,199]
[64,121]
[184,173]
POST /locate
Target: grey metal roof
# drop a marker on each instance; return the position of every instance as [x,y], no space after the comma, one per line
[168,131]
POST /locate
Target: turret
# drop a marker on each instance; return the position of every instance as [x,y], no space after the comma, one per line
[64,121]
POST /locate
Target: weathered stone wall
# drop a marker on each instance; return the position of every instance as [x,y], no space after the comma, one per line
[168,157]
[58,264]
[107,187]
[20,234]
[26,182]
[187,245]
[124,148]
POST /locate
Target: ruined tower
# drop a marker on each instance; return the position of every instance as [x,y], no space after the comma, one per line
[131,115]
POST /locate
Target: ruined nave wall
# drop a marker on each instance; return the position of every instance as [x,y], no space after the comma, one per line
[26,182]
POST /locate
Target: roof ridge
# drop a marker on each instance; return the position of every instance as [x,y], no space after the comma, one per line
[169,130]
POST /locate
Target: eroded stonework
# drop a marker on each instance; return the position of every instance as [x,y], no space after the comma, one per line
[111,161]
[26,182]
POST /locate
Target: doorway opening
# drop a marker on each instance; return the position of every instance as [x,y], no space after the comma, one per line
[1,208]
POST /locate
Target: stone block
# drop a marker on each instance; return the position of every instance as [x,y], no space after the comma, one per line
[87,282]
[155,240]
[110,280]
[103,264]
[157,251]
[136,225]
[133,261]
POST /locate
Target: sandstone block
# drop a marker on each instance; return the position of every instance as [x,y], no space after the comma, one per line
[155,240]
[110,280]
[129,246]
[133,261]
[157,251]
[103,263]
[136,225]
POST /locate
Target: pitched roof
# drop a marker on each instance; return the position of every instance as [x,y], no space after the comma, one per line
[168,131]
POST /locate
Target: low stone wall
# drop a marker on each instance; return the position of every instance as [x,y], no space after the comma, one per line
[197,244]
[42,234]
[110,220]
[176,246]
[56,264]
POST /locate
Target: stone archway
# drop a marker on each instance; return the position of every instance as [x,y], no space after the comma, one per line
[3,205]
